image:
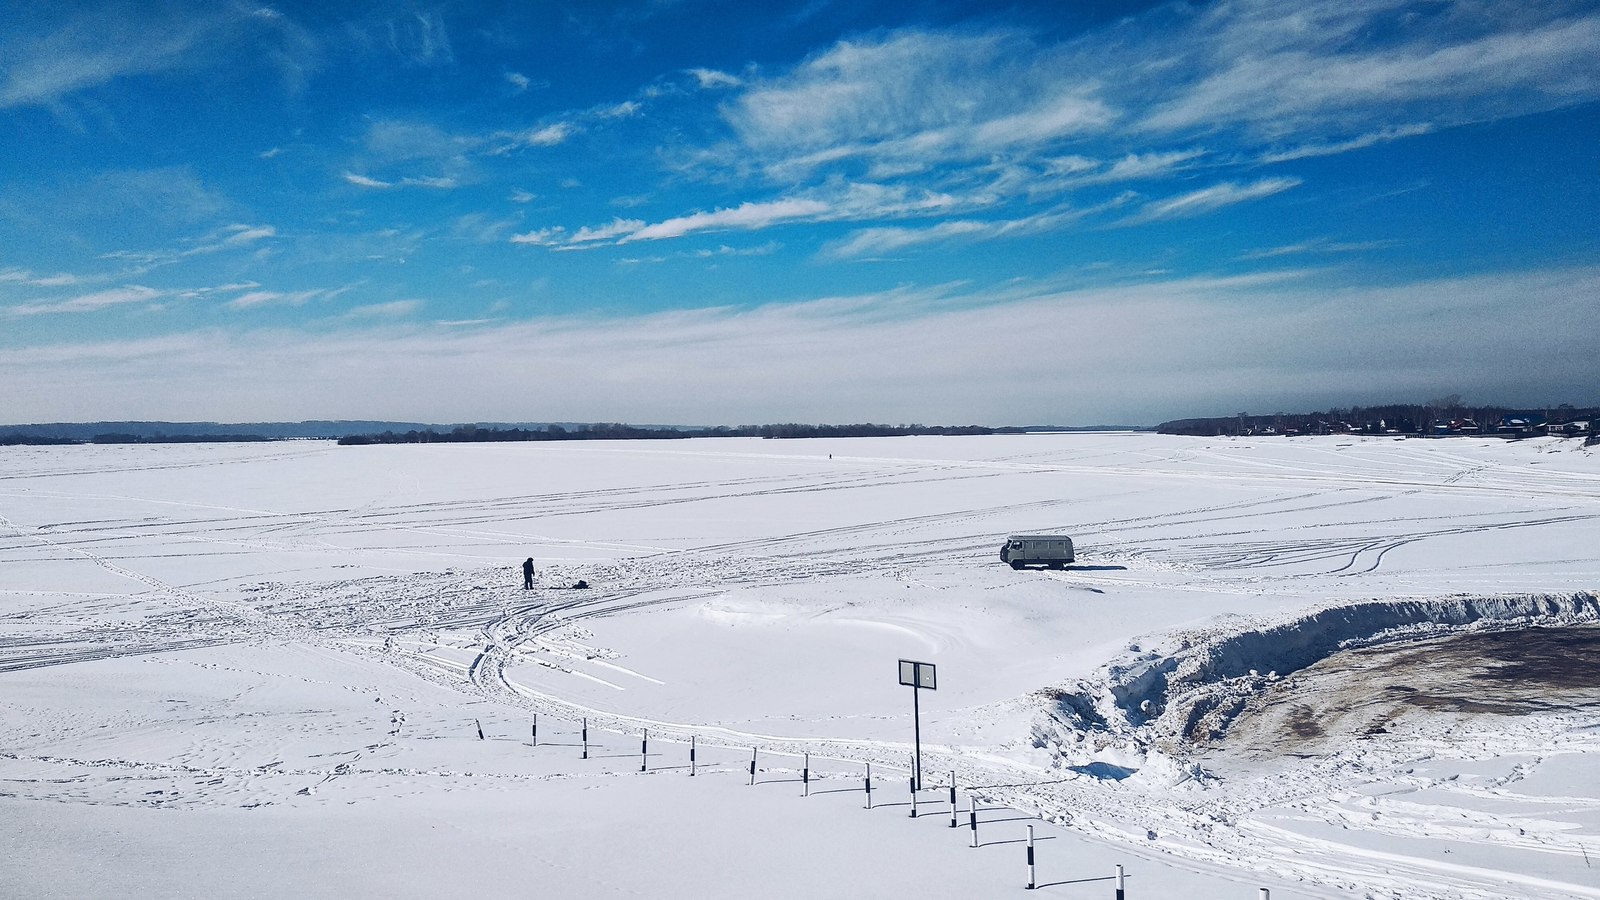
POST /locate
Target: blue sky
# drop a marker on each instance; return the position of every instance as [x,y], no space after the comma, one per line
[721,213]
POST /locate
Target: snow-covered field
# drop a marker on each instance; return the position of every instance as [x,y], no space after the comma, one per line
[251,670]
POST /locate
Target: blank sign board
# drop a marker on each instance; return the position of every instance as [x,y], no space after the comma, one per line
[918,674]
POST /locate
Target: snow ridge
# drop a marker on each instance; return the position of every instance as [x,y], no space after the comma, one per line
[1202,678]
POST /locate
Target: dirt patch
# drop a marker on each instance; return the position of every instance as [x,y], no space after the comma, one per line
[1359,694]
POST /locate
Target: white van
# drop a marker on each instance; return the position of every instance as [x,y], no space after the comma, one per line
[1053,550]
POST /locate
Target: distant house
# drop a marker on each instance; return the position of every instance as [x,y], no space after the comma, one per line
[1513,425]
[1572,429]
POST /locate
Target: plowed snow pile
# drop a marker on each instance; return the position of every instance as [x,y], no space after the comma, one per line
[1329,666]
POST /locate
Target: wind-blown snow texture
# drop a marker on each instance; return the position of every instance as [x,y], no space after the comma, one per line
[215,658]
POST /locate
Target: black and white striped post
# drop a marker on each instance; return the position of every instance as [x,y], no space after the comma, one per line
[1265,894]
[691,756]
[1121,894]
[480,728]
[972,817]
[1033,879]
[752,767]
[586,738]
[867,784]
[536,729]
[953,822]
[644,752]
[913,795]
[805,776]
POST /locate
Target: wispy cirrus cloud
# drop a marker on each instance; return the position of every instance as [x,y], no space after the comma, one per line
[745,216]
[1317,246]
[366,181]
[55,52]
[23,276]
[881,241]
[1211,198]
[836,203]
[92,302]
[1360,142]
[1335,65]
[254,298]
[918,97]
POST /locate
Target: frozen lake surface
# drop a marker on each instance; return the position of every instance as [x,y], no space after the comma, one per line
[244,670]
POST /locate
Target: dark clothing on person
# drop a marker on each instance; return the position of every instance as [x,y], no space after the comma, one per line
[527,574]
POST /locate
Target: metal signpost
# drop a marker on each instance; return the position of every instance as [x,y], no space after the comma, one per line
[918,676]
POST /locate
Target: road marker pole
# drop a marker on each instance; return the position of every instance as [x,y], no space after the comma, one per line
[1033,879]
[536,729]
[1121,895]
[480,728]
[691,756]
[867,783]
[913,795]
[586,738]
[644,752]
[805,776]
[752,767]
[953,822]
[973,818]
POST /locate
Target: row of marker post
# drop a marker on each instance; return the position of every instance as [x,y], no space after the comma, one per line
[805,780]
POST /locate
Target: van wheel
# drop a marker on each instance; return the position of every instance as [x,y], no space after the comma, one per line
[1016,565]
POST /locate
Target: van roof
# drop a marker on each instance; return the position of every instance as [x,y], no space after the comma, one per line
[1038,537]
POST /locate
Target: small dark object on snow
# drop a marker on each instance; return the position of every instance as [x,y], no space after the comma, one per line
[581,585]
[527,574]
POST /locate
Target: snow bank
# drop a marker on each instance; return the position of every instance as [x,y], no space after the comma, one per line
[1193,685]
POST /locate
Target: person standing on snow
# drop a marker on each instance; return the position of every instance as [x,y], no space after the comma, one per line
[527,574]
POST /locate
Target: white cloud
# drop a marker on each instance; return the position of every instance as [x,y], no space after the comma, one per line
[436,183]
[88,302]
[709,79]
[1285,70]
[540,237]
[1318,246]
[262,298]
[518,80]
[918,96]
[59,50]
[1381,136]
[548,136]
[873,242]
[617,228]
[23,276]
[1141,352]
[1211,198]
[364,181]
[839,201]
[240,235]
[392,310]
[743,216]
[623,110]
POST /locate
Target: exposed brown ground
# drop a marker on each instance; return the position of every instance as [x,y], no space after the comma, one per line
[1363,693]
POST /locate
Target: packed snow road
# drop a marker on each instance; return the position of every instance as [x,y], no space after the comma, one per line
[1201,690]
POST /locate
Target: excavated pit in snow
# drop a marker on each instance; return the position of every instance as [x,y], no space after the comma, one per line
[1191,692]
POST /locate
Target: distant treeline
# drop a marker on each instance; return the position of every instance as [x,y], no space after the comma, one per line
[618,432]
[1444,416]
[165,432]
[42,440]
